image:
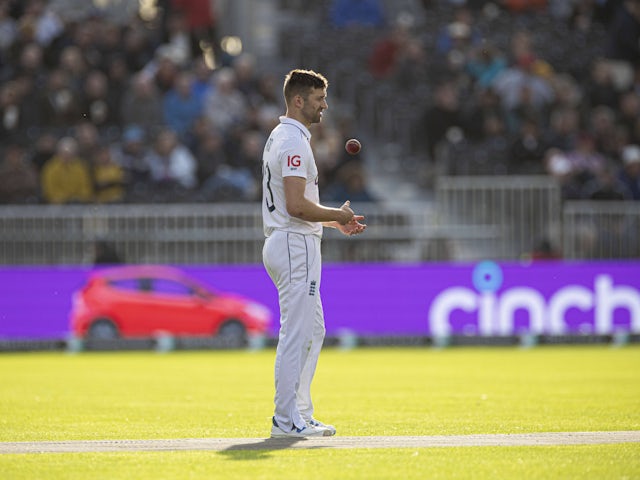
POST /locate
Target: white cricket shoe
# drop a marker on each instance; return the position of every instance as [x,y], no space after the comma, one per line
[306,431]
[318,424]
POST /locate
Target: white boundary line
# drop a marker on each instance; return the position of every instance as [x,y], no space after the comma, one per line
[337,442]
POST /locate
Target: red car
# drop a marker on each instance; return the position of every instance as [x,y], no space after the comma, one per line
[146,301]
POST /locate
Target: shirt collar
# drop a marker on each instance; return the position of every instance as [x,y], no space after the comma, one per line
[292,121]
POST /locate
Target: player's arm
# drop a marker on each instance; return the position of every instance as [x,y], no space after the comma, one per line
[301,207]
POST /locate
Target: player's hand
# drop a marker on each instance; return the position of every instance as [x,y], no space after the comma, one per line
[345,214]
[354,227]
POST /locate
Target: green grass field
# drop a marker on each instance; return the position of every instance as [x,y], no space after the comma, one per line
[375,391]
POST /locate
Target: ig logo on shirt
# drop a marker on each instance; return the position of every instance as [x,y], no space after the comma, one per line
[293,161]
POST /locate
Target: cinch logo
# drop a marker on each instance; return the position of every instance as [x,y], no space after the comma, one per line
[293,161]
[495,314]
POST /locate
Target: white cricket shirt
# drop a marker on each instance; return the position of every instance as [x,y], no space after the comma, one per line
[288,153]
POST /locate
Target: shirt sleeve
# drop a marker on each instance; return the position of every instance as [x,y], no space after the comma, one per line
[295,162]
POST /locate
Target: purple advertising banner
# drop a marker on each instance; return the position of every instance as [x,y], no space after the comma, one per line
[485,298]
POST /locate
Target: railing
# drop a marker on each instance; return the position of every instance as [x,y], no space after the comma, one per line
[215,233]
[525,209]
[601,230]
[472,218]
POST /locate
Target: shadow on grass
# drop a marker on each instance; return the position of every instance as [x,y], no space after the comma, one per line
[259,450]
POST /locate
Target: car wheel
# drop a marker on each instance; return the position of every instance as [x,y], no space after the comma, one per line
[103,330]
[233,334]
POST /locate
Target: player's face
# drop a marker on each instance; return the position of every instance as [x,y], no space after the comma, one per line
[314,104]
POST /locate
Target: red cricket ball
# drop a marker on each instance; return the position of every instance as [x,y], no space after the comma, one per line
[352,146]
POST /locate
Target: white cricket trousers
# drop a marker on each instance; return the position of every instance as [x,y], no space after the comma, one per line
[294,263]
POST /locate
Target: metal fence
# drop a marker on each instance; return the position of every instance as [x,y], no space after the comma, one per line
[215,233]
[601,230]
[525,209]
[472,218]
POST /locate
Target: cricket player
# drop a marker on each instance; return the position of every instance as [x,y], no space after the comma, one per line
[293,222]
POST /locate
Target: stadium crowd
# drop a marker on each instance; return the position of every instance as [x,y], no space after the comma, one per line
[93,110]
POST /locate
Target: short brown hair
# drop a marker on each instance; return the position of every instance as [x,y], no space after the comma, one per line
[301,82]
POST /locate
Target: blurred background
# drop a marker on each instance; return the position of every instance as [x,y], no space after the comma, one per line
[491,129]
[132,131]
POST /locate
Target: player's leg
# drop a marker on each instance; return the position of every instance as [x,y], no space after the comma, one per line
[286,259]
[305,404]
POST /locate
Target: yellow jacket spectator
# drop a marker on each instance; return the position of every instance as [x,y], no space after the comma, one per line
[65,177]
[108,177]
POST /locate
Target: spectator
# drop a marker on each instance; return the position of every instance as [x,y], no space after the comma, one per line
[208,150]
[8,30]
[602,128]
[459,36]
[350,183]
[73,63]
[606,186]
[563,129]
[225,106]
[65,177]
[85,36]
[387,52]
[96,105]
[624,33]
[30,64]
[484,104]
[585,159]
[201,83]
[247,165]
[30,114]
[630,172]
[629,109]
[108,177]
[327,144]
[202,24]
[109,43]
[412,67]
[491,153]
[142,104]
[164,67]
[566,92]
[43,149]
[559,167]
[178,39]
[181,107]
[47,25]
[88,137]
[269,104]
[172,166]
[11,118]
[246,81]
[18,179]
[528,149]
[484,64]
[59,103]
[523,92]
[118,80]
[599,87]
[131,154]
[444,114]
[136,48]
